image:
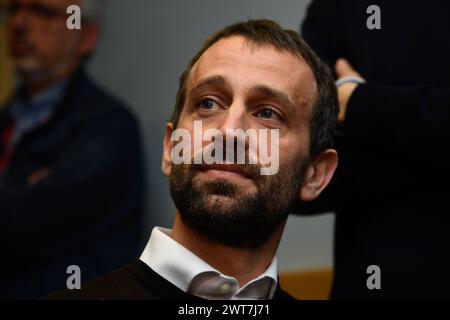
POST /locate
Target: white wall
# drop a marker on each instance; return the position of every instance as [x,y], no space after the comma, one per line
[146,44]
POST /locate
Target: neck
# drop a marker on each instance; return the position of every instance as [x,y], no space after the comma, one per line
[244,264]
[34,86]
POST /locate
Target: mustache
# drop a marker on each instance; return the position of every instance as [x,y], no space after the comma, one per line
[20,37]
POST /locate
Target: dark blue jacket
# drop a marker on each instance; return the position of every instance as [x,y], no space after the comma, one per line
[88,211]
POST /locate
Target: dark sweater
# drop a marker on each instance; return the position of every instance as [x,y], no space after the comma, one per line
[136,281]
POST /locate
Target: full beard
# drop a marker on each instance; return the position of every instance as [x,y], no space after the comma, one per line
[27,63]
[221,211]
[31,68]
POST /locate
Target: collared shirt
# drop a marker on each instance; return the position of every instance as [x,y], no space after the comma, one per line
[191,274]
[34,111]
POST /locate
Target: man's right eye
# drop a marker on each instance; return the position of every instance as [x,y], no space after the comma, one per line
[11,9]
[207,104]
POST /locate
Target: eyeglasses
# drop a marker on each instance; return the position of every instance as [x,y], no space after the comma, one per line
[35,12]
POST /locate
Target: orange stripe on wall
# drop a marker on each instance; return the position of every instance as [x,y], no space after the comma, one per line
[6,76]
[308,285]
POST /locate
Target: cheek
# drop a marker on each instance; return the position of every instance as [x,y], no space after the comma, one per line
[53,43]
[293,150]
[196,129]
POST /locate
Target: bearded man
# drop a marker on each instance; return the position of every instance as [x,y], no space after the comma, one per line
[230,217]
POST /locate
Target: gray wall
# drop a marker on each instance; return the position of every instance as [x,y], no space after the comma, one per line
[146,44]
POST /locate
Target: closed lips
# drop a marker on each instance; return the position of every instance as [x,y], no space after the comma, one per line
[227,168]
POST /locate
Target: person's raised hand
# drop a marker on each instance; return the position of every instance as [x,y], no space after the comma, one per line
[345,70]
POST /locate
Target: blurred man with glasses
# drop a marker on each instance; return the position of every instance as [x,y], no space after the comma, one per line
[71,185]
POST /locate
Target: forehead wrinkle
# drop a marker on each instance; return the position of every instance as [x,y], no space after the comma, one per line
[301,94]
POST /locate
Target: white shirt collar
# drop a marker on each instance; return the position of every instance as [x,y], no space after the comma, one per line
[191,274]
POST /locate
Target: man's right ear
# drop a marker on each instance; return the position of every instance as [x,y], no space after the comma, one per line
[166,164]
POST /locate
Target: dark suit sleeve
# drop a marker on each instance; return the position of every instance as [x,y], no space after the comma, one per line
[319,30]
[409,121]
[401,117]
[404,124]
[92,186]
[396,116]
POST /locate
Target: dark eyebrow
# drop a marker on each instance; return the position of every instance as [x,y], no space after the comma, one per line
[217,82]
[271,93]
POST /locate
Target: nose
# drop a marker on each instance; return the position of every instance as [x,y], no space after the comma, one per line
[235,119]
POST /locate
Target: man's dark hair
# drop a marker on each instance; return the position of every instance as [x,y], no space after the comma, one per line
[267,32]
